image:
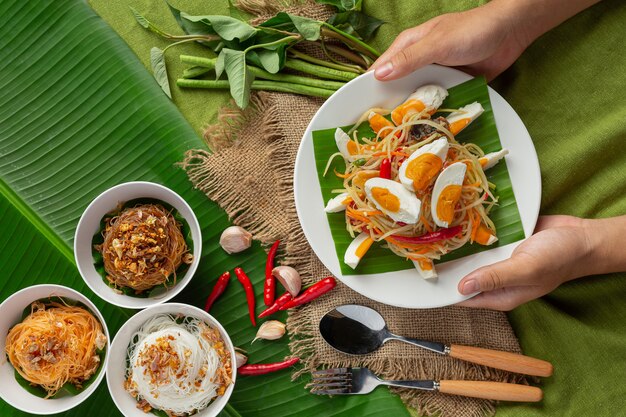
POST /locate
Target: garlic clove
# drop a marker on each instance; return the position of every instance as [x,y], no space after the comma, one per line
[235,239]
[240,359]
[289,277]
[270,330]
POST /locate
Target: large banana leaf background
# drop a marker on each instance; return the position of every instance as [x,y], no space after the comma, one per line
[79,114]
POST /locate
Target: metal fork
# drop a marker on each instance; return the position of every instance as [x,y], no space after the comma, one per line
[343,381]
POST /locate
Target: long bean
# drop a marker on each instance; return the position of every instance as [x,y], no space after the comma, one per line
[261,73]
[258,85]
[319,71]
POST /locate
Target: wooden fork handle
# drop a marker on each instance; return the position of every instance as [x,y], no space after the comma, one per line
[507,361]
[492,390]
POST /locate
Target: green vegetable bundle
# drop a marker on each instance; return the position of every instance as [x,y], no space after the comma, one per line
[253,57]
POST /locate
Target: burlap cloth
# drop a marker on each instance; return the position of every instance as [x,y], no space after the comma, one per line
[254,153]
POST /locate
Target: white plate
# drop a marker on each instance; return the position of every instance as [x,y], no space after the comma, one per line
[10,314]
[406,288]
[116,367]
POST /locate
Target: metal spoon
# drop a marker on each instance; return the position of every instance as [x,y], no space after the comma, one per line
[357,330]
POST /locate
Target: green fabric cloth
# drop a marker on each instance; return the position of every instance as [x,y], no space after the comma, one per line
[568,88]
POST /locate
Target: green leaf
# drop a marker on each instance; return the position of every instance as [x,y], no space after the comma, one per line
[356,23]
[343,5]
[272,61]
[159,70]
[140,19]
[308,28]
[482,132]
[227,27]
[219,65]
[238,75]
[79,117]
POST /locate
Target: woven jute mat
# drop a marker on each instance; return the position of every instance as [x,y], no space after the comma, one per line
[254,152]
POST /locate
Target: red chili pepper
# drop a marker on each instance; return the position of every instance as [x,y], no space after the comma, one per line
[385,169]
[247,286]
[266,368]
[269,289]
[319,288]
[218,289]
[436,236]
[280,301]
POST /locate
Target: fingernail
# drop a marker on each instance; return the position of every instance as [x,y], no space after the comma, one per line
[384,70]
[469,287]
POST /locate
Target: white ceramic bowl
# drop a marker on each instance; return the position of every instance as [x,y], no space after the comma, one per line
[89,225]
[10,314]
[119,350]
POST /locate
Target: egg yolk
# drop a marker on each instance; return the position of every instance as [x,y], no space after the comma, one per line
[425,264]
[353,148]
[423,169]
[447,200]
[378,122]
[360,178]
[386,200]
[363,247]
[456,127]
[482,235]
[408,107]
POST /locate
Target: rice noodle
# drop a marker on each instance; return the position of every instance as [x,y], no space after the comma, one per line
[177,365]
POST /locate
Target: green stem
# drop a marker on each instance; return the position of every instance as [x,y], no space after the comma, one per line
[319,71]
[308,58]
[178,43]
[288,39]
[333,32]
[258,85]
[209,63]
[195,72]
[349,55]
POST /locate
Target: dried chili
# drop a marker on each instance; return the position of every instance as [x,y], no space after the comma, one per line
[247,286]
[385,169]
[218,290]
[280,301]
[436,236]
[269,289]
[319,288]
[265,368]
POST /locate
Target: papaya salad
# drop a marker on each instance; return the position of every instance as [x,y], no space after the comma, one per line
[413,186]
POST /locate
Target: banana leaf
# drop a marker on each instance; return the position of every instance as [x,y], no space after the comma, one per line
[79,114]
[482,132]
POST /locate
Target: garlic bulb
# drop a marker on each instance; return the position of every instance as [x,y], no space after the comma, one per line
[235,239]
[289,277]
[240,359]
[270,330]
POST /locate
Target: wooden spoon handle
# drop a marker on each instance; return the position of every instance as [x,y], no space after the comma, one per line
[492,390]
[507,361]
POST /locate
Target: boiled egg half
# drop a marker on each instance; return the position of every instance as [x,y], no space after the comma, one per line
[418,171]
[348,148]
[426,268]
[393,199]
[447,193]
[427,97]
[491,159]
[338,203]
[460,119]
[357,249]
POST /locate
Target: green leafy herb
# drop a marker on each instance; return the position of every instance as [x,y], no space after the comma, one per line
[238,75]
[356,23]
[308,28]
[343,5]
[157,61]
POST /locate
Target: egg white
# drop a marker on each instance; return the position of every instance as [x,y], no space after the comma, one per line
[342,139]
[350,258]
[437,147]
[410,205]
[491,159]
[431,95]
[452,175]
[335,204]
[425,273]
[471,112]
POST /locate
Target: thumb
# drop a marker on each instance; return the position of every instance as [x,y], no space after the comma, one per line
[514,271]
[407,60]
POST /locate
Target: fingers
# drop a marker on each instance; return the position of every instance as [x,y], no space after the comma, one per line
[402,41]
[407,60]
[515,271]
[503,300]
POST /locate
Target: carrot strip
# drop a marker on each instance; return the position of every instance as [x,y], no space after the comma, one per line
[394,153]
[426,225]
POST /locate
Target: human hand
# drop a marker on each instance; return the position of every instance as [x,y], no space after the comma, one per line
[560,250]
[481,41]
